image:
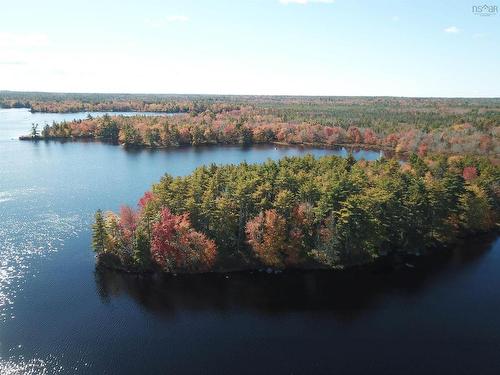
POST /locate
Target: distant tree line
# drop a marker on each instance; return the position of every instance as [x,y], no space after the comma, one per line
[74,102]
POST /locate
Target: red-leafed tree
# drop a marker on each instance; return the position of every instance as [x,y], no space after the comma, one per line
[146,198]
[128,222]
[469,173]
[177,247]
[422,149]
[370,137]
[355,135]
[392,140]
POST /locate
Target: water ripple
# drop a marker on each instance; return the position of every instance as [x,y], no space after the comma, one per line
[21,241]
[37,366]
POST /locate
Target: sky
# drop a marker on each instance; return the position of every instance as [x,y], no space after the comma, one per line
[269,47]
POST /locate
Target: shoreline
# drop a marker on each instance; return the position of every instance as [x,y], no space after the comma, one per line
[495,158]
[370,147]
[389,262]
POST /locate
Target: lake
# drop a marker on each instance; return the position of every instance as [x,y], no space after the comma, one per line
[58,315]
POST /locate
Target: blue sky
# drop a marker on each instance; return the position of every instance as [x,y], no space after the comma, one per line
[305,47]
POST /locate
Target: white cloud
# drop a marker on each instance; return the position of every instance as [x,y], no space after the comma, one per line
[305,2]
[177,19]
[23,40]
[162,22]
[452,30]
[395,18]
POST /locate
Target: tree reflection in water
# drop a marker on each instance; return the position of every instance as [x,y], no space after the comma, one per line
[346,295]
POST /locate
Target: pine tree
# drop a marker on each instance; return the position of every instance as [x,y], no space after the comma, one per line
[99,233]
[46,131]
[34,131]
[142,253]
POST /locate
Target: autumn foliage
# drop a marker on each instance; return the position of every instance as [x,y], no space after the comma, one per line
[267,235]
[302,212]
[469,173]
[248,125]
[176,246]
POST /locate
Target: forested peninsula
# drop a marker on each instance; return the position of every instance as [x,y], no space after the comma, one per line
[300,212]
[248,126]
[406,125]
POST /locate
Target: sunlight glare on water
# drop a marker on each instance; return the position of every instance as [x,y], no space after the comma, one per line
[21,241]
[21,366]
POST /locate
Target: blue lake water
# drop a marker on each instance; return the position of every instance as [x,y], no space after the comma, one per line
[58,315]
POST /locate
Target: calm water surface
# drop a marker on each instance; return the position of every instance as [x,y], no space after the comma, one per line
[58,315]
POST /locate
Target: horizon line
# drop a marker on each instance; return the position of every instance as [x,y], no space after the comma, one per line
[244,95]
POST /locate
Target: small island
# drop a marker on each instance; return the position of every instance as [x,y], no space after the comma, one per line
[300,212]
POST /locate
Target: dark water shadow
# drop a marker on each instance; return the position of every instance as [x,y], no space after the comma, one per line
[346,295]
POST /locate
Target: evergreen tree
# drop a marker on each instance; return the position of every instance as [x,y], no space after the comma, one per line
[46,131]
[34,131]
[109,130]
[142,253]
[99,233]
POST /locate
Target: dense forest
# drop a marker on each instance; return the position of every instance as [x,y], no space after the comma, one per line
[422,125]
[248,126]
[297,212]
[325,110]
[300,212]
[72,102]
